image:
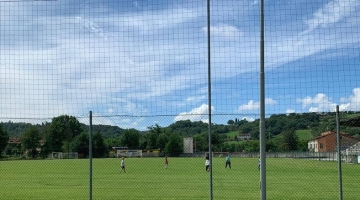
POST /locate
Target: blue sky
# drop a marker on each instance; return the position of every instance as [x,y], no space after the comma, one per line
[149,58]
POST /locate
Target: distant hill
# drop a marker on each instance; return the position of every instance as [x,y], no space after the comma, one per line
[16,129]
[106,131]
[307,125]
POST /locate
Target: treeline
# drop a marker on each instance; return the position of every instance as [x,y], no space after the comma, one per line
[63,134]
[66,134]
[316,123]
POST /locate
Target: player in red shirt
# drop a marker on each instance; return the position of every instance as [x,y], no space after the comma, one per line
[166,162]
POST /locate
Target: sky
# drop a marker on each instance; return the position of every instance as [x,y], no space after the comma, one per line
[136,63]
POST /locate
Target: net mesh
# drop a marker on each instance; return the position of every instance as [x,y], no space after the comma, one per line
[141,67]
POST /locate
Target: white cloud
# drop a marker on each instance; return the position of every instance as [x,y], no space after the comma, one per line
[91,27]
[323,103]
[289,111]
[197,114]
[331,13]
[252,105]
[224,30]
[195,99]
[249,119]
[319,103]
[88,64]
[269,101]
[150,21]
[129,62]
[336,21]
[351,103]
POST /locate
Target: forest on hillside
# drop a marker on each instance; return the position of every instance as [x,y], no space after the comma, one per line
[283,133]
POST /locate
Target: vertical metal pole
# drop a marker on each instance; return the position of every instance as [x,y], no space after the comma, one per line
[195,143]
[90,157]
[339,151]
[262,107]
[209,98]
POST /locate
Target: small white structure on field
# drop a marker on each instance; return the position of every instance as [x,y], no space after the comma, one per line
[61,155]
[129,153]
[352,154]
[188,145]
[244,136]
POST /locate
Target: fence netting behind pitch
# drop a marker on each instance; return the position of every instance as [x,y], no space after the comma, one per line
[141,67]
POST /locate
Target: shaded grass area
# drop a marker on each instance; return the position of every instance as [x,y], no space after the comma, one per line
[185,178]
[232,134]
[304,135]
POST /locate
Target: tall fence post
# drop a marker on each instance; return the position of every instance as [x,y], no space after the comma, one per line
[90,156]
[339,151]
[209,99]
[262,107]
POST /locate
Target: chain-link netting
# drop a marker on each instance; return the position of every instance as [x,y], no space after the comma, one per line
[142,69]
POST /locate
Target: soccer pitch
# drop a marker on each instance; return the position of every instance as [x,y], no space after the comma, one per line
[186,178]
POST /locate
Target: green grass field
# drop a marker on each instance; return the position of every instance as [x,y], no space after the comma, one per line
[185,178]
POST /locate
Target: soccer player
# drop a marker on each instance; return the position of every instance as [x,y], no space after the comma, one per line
[207,163]
[166,162]
[227,161]
[122,164]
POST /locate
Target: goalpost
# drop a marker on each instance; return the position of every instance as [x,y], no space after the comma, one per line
[129,153]
[61,155]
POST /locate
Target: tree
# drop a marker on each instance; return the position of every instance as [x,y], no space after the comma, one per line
[112,142]
[46,148]
[31,141]
[201,142]
[4,138]
[63,130]
[251,146]
[188,128]
[162,140]
[155,129]
[130,138]
[99,148]
[271,146]
[143,141]
[289,140]
[151,140]
[230,122]
[80,144]
[174,145]
[303,145]
[152,136]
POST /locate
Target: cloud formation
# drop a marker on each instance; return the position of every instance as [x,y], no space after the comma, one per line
[145,58]
[197,114]
[252,105]
[224,31]
[333,12]
[323,103]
